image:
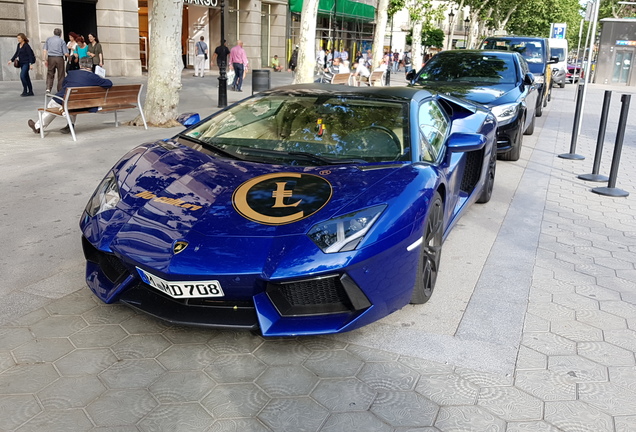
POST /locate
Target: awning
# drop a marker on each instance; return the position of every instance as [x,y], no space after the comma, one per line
[345,8]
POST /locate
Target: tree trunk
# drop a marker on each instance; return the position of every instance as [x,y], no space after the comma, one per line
[504,22]
[381,17]
[417,57]
[165,63]
[305,70]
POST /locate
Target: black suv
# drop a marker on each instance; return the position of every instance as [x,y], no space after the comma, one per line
[536,51]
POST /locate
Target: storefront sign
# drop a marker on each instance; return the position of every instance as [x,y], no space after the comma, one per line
[212,3]
[626,42]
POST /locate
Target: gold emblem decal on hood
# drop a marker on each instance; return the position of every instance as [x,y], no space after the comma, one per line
[170,201]
[179,246]
[281,198]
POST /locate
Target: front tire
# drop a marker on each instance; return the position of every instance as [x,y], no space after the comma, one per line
[515,151]
[486,192]
[530,129]
[430,252]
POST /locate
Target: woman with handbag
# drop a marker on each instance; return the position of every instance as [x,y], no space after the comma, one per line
[73,62]
[24,59]
[95,51]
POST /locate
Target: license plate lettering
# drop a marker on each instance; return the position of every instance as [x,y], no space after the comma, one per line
[182,289]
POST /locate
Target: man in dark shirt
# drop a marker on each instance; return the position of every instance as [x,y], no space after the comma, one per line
[83,77]
[220,54]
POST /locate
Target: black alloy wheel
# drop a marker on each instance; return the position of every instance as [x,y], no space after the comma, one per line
[430,253]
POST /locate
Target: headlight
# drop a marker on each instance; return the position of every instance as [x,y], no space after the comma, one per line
[505,113]
[106,196]
[538,79]
[344,233]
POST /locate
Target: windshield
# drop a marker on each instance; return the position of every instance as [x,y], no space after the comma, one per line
[558,52]
[312,129]
[474,67]
[530,49]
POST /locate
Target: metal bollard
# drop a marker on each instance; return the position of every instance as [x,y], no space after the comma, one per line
[575,128]
[594,175]
[611,189]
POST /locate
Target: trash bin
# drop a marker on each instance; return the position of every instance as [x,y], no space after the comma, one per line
[260,80]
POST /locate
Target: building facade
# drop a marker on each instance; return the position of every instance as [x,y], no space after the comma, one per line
[617,52]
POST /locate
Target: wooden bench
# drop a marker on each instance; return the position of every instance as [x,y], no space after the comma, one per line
[377,78]
[84,100]
[341,78]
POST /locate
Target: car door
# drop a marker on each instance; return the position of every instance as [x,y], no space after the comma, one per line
[530,92]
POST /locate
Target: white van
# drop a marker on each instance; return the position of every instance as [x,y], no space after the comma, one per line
[559,48]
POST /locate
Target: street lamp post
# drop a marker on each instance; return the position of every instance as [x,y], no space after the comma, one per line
[223,66]
[390,64]
[466,24]
[451,24]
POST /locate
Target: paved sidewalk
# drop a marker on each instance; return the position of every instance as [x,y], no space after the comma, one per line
[532,326]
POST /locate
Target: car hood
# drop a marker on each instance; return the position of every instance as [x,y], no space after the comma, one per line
[482,93]
[181,189]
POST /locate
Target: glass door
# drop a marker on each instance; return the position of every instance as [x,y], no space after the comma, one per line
[622,67]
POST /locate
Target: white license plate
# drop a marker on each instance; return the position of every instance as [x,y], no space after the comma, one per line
[190,289]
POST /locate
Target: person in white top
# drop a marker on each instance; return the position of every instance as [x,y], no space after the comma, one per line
[362,73]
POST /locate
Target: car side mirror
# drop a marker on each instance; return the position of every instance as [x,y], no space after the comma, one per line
[528,79]
[410,76]
[466,142]
[553,60]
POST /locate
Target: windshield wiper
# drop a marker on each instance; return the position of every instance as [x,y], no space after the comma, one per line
[210,147]
[319,160]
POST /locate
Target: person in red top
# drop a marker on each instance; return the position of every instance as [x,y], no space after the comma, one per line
[238,59]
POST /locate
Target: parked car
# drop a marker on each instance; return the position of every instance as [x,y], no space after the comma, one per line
[559,50]
[575,72]
[500,80]
[536,51]
[302,210]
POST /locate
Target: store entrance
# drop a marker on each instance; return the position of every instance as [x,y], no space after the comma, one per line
[622,66]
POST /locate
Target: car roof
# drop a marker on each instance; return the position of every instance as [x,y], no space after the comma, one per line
[398,94]
[499,53]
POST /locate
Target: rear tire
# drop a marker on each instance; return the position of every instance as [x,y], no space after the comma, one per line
[430,252]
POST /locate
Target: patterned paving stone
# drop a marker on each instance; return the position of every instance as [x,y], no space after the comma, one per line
[16,410]
[108,314]
[121,407]
[58,421]
[96,336]
[579,368]
[576,331]
[239,425]
[534,323]
[625,424]
[28,319]
[468,418]
[388,376]
[28,378]
[89,361]
[539,426]
[188,335]
[485,379]
[71,392]
[372,355]
[234,342]
[229,368]
[293,415]
[619,308]
[281,353]
[278,381]
[131,374]
[606,354]
[76,303]
[6,361]
[343,394]
[188,417]
[624,377]
[448,389]
[546,385]
[620,401]
[187,357]
[510,404]
[616,284]
[322,344]
[597,292]
[530,359]
[615,262]
[329,364]
[181,387]
[399,408]
[58,326]
[551,311]
[426,367]
[143,324]
[42,350]
[140,346]
[11,338]
[577,416]
[354,421]
[548,343]
[235,400]
[622,338]
[601,320]
[576,301]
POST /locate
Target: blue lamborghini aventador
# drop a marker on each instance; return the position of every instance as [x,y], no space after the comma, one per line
[307,209]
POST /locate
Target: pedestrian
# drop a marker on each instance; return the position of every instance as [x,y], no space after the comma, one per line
[238,58]
[276,64]
[201,55]
[220,55]
[293,60]
[25,58]
[71,64]
[81,50]
[95,51]
[83,77]
[55,53]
